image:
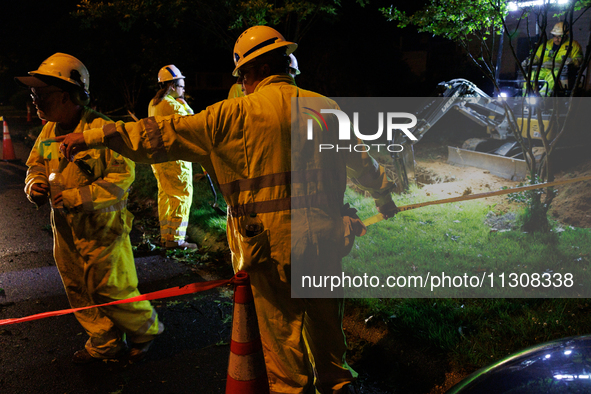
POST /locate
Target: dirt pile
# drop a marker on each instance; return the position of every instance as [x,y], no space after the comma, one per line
[572,204]
[445,180]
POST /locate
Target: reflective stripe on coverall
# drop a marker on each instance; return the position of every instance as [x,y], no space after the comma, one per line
[546,73]
[175,182]
[247,140]
[92,248]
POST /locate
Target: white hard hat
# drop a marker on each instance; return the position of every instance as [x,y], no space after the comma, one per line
[559,29]
[61,66]
[169,73]
[293,64]
[256,41]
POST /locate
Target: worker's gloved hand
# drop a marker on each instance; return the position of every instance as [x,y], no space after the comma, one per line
[525,63]
[388,210]
[352,221]
[39,194]
[353,227]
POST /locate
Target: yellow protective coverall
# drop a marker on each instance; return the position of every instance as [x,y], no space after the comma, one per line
[92,249]
[548,55]
[248,142]
[175,182]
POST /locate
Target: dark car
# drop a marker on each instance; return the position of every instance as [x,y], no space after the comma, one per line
[560,366]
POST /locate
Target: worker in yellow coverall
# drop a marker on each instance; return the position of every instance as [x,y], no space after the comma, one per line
[558,49]
[282,206]
[175,178]
[89,219]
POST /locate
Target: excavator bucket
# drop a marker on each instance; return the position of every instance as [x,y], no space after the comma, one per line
[504,167]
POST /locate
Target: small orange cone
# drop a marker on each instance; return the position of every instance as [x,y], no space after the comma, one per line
[246,368]
[7,148]
[29,114]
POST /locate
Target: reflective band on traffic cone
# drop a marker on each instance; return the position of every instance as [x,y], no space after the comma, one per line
[246,368]
[7,148]
[29,114]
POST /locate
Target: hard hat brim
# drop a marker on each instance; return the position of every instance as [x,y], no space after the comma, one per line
[31,82]
[42,80]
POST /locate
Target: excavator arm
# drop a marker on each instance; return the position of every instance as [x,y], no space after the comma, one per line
[465,97]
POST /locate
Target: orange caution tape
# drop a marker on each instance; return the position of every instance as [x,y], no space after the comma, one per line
[172,292]
[378,218]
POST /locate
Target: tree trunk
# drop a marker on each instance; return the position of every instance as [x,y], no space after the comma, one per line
[535,218]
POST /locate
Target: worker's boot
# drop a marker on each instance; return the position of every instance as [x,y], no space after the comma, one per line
[138,351]
[180,245]
[82,357]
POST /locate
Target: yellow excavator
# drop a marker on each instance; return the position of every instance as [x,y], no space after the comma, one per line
[500,152]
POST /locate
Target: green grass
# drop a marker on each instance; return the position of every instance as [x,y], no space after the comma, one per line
[455,238]
[202,211]
[475,332]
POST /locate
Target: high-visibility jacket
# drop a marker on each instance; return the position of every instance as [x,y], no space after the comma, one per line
[185,105]
[285,190]
[175,182]
[236,91]
[168,106]
[92,248]
[576,54]
[547,55]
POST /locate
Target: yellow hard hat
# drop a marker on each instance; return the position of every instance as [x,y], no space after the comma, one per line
[169,73]
[256,41]
[559,29]
[61,66]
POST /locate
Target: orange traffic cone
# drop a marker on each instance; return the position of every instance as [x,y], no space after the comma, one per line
[246,368]
[7,148]
[29,114]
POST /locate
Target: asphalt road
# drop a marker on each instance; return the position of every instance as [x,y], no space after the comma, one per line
[191,356]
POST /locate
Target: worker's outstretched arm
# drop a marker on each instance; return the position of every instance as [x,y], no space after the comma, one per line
[151,140]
